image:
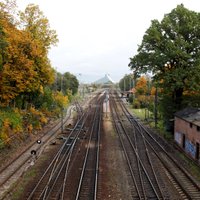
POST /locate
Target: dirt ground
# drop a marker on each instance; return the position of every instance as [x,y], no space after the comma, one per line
[113,172]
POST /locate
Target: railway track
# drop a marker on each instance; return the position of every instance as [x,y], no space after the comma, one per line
[144,186]
[73,172]
[182,180]
[13,170]
[172,180]
[87,188]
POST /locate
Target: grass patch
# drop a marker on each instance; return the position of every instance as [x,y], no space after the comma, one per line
[193,168]
[19,187]
[140,112]
[14,117]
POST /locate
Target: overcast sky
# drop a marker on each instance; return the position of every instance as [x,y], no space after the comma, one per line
[97,37]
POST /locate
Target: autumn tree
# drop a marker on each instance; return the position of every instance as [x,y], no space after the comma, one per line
[141,86]
[34,22]
[4,15]
[26,74]
[24,65]
[37,26]
[3,44]
[143,96]
[170,49]
[16,69]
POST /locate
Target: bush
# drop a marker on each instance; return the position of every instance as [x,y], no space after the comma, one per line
[136,104]
[10,123]
[34,118]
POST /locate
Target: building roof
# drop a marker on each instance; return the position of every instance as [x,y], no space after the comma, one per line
[105,80]
[191,115]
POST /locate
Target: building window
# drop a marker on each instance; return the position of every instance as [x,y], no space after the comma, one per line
[190,125]
[198,128]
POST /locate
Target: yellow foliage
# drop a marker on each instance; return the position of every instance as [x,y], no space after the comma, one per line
[41,89]
[34,111]
[4,135]
[60,99]
[190,93]
[43,120]
[27,67]
[153,91]
[6,123]
[38,126]
[36,119]
[17,129]
[141,85]
[30,128]
[142,98]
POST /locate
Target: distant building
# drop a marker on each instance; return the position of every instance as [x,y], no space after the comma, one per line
[187,131]
[105,81]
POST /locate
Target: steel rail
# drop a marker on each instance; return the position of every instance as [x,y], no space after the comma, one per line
[126,155]
[64,170]
[142,139]
[140,161]
[184,189]
[32,144]
[98,154]
[55,159]
[62,162]
[50,187]
[87,156]
[26,158]
[175,177]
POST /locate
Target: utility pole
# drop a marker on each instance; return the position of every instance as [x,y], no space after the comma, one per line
[62,109]
[124,84]
[62,124]
[106,106]
[156,104]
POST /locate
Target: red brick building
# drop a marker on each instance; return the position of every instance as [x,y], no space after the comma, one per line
[187,131]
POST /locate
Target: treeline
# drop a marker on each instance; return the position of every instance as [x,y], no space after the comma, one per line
[30,89]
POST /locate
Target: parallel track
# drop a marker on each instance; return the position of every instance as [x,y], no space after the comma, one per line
[10,171]
[63,179]
[144,186]
[181,181]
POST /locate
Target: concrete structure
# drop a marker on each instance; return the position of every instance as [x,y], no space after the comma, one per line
[187,131]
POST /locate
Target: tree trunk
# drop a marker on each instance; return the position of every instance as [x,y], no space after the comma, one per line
[178,94]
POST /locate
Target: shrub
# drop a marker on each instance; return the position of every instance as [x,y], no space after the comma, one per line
[136,104]
[10,124]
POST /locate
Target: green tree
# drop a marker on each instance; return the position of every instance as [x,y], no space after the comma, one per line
[70,82]
[171,50]
[66,82]
[126,83]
